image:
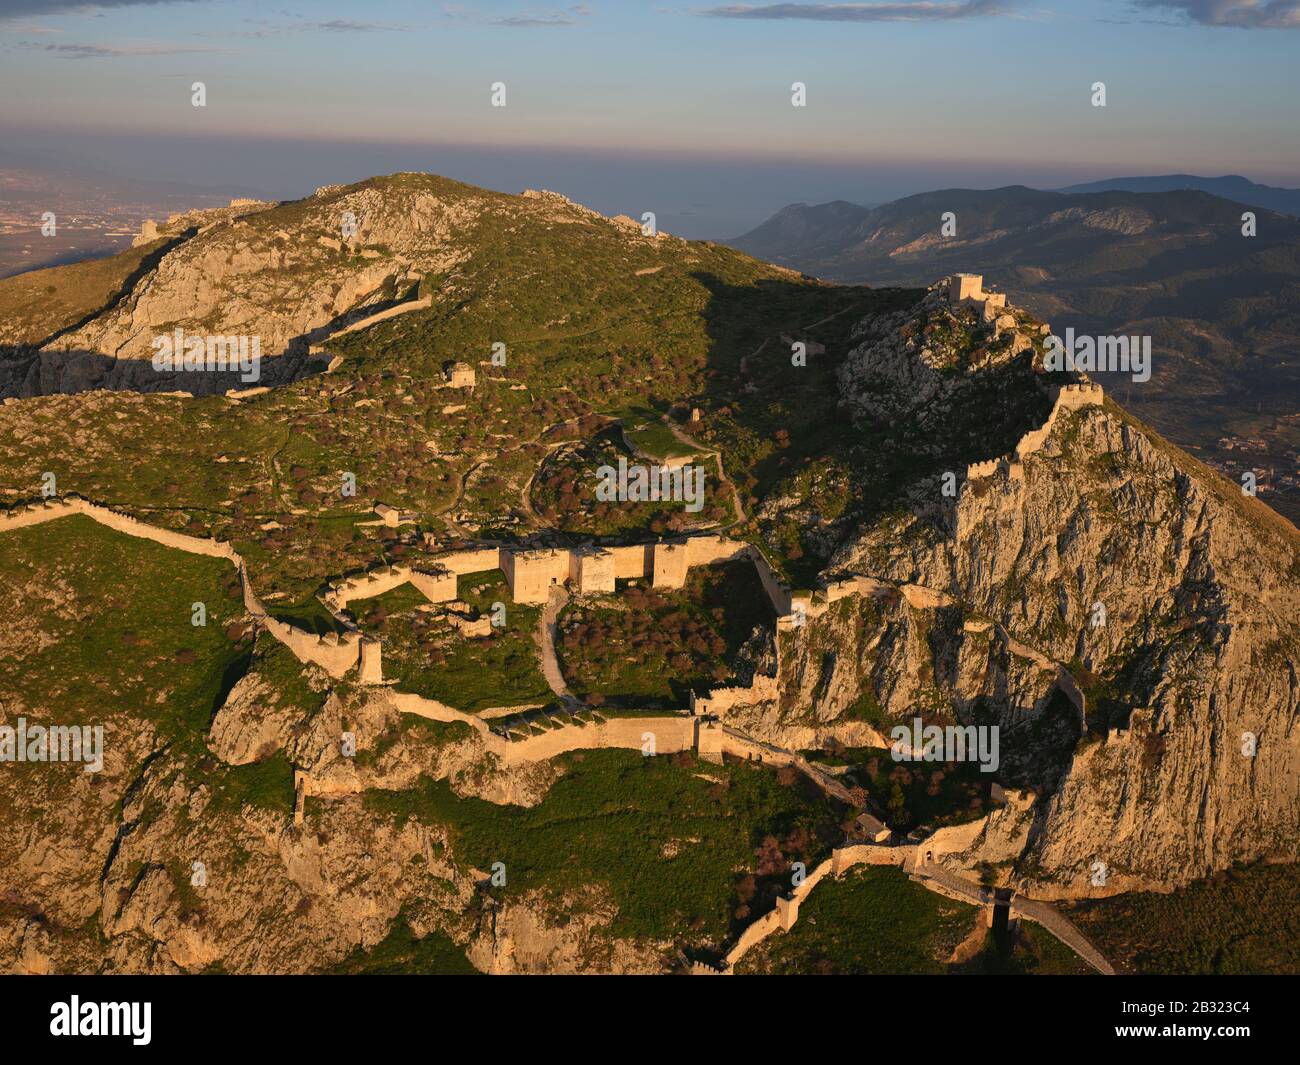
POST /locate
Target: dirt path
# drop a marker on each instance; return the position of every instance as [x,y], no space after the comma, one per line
[546,627]
[741,516]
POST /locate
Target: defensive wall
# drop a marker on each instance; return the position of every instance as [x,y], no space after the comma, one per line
[407,307]
[1069,397]
[533,573]
[969,289]
[671,734]
[916,860]
[317,348]
[334,653]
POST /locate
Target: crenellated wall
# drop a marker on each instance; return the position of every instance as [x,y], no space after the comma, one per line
[1069,397]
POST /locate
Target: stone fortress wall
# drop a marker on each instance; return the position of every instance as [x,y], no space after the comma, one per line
[1068,397]
[968,289]
[318,350]
[530,573]
[421,304]
[334,653]
[920,861]
[707,736]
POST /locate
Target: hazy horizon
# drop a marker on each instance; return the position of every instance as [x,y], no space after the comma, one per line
[693,196]
[627,107]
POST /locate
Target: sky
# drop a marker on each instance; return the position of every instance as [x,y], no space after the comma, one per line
[676,107]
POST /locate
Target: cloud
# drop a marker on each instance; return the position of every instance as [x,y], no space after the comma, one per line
[1242,14]
[10,9]
[100,51]
[920,11]
[348,25]
[533,20]
[567,17]
[266,29]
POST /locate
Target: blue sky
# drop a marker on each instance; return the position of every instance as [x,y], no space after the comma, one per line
[901,96]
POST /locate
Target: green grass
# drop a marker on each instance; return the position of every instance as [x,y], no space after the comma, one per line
[426,656]
[564,494]
[649,436]
[108,633]
[34,305]
[614,818]
[400,953]
[873,922]
[276,666]
[1243,920]
[264,785]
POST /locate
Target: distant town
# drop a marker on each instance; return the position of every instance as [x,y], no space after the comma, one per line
[90,221]
[1272,458]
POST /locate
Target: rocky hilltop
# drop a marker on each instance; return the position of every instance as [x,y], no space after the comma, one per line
[1208,277]
[288,274]
[931,522]
[1169,596]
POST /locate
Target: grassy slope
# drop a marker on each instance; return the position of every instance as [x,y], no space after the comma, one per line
[585,334]
[113,644]
[1244,920]
[34,305]
[874,921]
[111,628]
[402,953]
[427,657]
[609,820]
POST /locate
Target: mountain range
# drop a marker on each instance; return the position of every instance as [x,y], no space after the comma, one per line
[1229,187]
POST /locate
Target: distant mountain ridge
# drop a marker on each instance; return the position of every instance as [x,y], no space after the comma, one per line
[1230,187]
[1222,308]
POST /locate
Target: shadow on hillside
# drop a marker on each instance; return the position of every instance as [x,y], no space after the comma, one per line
[787,436]
[27,370]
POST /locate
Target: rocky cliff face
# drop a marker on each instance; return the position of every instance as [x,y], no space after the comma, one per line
[287,275]
[1171,599]
[271,896]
